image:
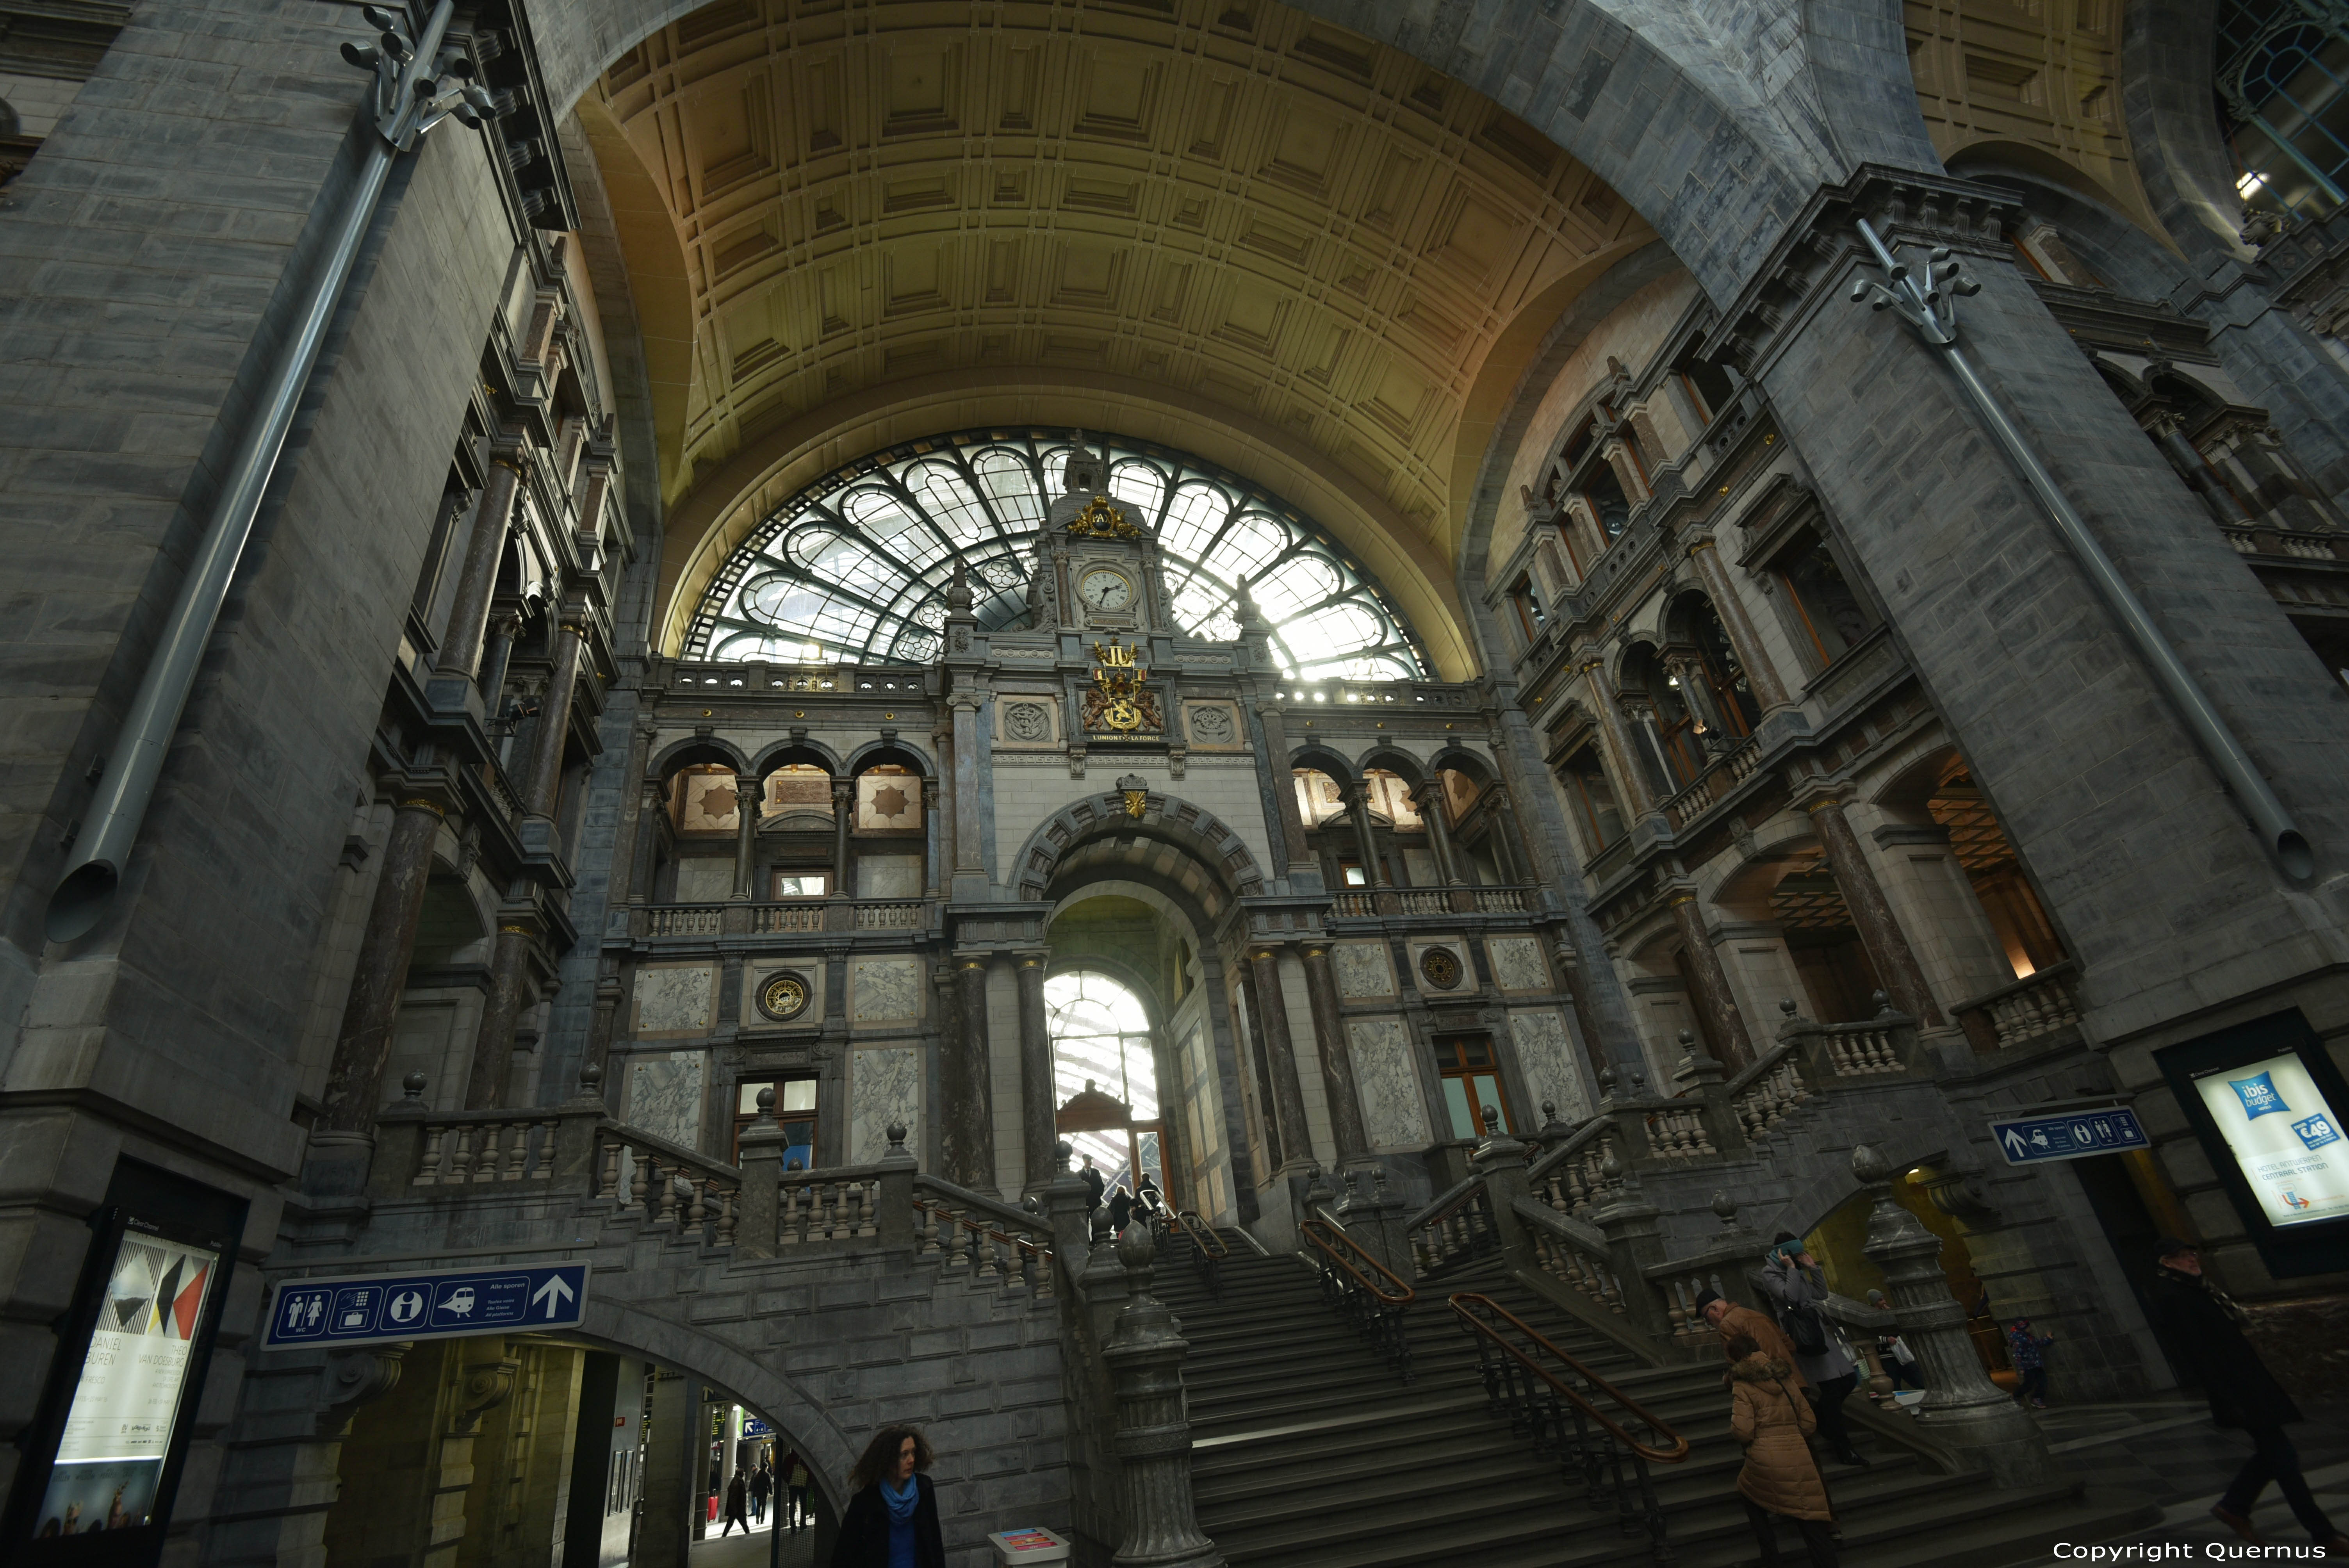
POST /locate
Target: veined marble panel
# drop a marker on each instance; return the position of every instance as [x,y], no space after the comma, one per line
[665,1096]
[1394,1112]
[882,990]
[1551,1062]
[1517,964]
[889,876]
[884,1085]
[1362,969]
[676,999]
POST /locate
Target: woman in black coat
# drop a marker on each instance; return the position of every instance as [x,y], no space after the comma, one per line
[893,1509]
[2203,1330]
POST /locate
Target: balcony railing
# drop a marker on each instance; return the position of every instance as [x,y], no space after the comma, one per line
[2036,1009]
[1354,903]
[1724,773]
[2254,541]
[783,918]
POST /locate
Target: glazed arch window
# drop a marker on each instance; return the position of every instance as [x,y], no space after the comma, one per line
[1830,615]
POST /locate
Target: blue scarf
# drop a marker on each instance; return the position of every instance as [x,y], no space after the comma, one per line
[900,1506]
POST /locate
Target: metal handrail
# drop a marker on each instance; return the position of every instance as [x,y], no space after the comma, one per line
[1025,1243]
[1463,1303]
[1329,1240]
[1203,1236]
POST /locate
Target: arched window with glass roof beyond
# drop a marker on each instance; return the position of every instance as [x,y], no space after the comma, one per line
[855,568]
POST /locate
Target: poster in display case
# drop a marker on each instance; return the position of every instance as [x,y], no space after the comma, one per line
[2266,1101]
[103,1457]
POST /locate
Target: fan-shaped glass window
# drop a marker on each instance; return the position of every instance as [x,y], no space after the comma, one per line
[855,569]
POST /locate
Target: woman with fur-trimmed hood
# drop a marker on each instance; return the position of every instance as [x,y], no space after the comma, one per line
[1771,1419]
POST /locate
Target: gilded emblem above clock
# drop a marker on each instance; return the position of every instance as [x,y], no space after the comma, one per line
[1102,589]
[1102,521]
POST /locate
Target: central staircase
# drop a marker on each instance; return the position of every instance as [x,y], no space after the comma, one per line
[1310,1452]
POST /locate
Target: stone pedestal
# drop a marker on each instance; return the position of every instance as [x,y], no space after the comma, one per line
[1963,1407]
[1153,1440]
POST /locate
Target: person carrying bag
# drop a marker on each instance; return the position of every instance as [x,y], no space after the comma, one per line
[1773,1420]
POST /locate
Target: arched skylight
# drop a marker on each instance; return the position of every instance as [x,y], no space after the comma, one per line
[855,569]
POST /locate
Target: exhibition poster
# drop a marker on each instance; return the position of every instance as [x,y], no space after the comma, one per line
[117,1431]
[2283,1136]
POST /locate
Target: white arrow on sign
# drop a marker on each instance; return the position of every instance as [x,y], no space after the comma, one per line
[2013,1142]
[553,1293]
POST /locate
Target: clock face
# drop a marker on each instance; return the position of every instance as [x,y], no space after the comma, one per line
[1105,590]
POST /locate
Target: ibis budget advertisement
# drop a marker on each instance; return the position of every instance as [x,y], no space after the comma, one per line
[2284,1136]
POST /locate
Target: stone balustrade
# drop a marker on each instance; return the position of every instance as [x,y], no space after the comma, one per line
[667,1182]
[839,1205]
[2037,1009]
[1724,773]
[1879,1048]
[1767,1093]
[782,917]
[471,1147]
[989,1243]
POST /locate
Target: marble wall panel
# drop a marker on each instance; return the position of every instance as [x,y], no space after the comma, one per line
[884,990]
[1517,964]
[1394,1112]
[1362,969]
[675,1000]
[664,1095]
[704,879]
[889,876]
[1419,866]
[1552,1064]
[884,1085]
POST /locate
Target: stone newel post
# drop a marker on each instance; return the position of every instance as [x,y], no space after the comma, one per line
[1963,1407]
[1146,1354]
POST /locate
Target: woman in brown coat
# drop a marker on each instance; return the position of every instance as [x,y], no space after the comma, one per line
[1771,1418]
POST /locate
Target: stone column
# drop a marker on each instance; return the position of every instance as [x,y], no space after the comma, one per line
[1337,1061]
[844,817]
[934,850]
[749,794]
[1429,798]
[1615,739]
[1508,849]
[1963,1407]
[1696,696]
[485,1085]
[966,1115]
[505,625]
[355,1078]
[1283,780]
[1358,806]
[469,615]
[1288,1091]
[1886,944]
[650,804]
[1145,1352]
[1037,1091]
[545,776]
[970,870]
[1769,691]
[1713,995]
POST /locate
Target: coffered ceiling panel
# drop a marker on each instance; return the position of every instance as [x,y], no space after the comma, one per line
[1221,197]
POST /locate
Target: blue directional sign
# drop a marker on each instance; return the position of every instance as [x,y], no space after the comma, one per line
[337,1312]
[2075,1135]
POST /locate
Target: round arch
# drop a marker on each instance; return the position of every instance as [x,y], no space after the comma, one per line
[696,750]
[798,751]
[1197,834]
[1389,757]
[876,752]
[1322,758]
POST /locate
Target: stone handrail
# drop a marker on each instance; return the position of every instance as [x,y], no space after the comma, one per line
[684,919]
[666,1181]
[839,1204]
[891,914]
[993,1241]
[797,915]
[2252,540]
[2031,1008]
[465,1148]
[1580,1138]
[1575,1177]
[1883,1047]
[1443,1202]
[1720,775]
[1767,1093]
[1501,900]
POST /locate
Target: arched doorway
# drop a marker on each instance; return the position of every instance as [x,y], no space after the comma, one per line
[1105,1077]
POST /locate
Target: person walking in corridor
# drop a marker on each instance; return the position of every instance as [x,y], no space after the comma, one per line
[2202,1329]
[795,1482]
[1770,1420]
[2026,1348]
[762,1483]
[736,1495]
[1792,1280]
[892,1519]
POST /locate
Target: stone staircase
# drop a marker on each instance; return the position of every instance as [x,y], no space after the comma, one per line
[1310,1452]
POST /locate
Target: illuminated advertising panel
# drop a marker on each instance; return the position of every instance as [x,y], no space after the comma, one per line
[2284,1136]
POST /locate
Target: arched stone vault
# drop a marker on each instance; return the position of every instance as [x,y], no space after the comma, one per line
[1203,847]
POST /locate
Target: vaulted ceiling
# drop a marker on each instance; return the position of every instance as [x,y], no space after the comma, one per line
[1214,222]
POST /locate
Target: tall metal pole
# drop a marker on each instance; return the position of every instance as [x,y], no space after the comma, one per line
[414,90]
[1932,311]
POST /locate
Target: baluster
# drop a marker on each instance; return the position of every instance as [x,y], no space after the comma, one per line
[542,1166]
[485,1161]
[696,1211]
[665,1177]
[519,1159]
[427,1170]
[788,1233]
[725,1216]
[607,1179]
[865,1225]
[460,1164]
[639,1180]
